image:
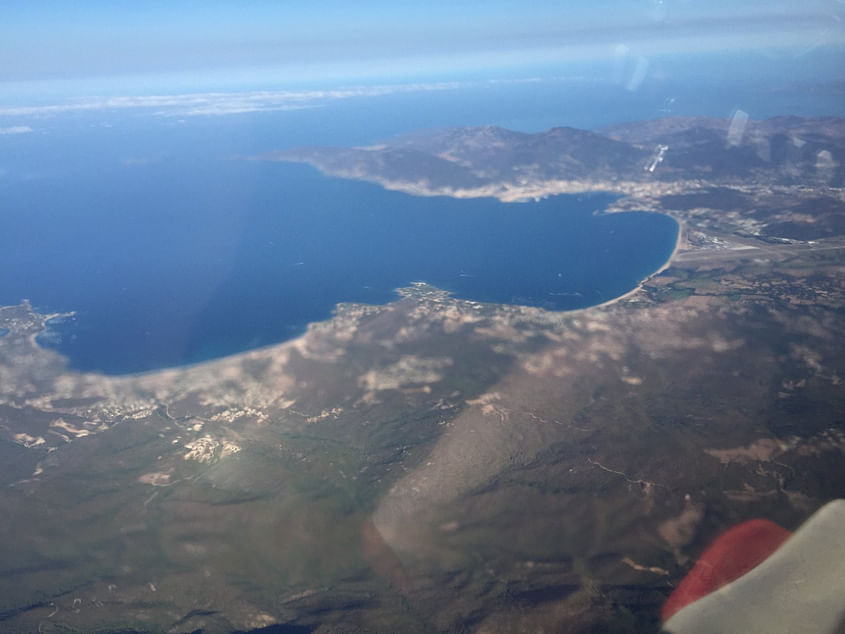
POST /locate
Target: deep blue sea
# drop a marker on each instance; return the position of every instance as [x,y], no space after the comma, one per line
[174,263]
[172,250]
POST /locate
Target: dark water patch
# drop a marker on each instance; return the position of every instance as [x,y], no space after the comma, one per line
[179,263]
[170,253]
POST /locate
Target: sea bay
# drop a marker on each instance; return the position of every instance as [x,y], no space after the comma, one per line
[171,248]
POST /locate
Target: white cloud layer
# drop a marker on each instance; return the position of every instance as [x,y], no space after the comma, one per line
[217,103]
[16,129]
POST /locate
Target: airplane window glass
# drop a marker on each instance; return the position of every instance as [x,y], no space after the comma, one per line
[451,317]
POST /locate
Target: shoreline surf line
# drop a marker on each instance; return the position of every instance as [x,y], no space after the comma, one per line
[679,244]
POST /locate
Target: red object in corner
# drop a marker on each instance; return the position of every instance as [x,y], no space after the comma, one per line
[735,552]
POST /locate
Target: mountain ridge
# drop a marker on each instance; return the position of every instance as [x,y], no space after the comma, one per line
[778,151]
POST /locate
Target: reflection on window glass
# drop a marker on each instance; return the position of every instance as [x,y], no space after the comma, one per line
[458,317]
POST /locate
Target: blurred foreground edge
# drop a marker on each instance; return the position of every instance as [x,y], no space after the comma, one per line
[799,587]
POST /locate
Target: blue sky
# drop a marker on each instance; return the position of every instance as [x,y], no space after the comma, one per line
[133,46]
[54,51]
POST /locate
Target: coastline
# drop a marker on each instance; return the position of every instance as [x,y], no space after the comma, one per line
[551,314]
[679,244]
